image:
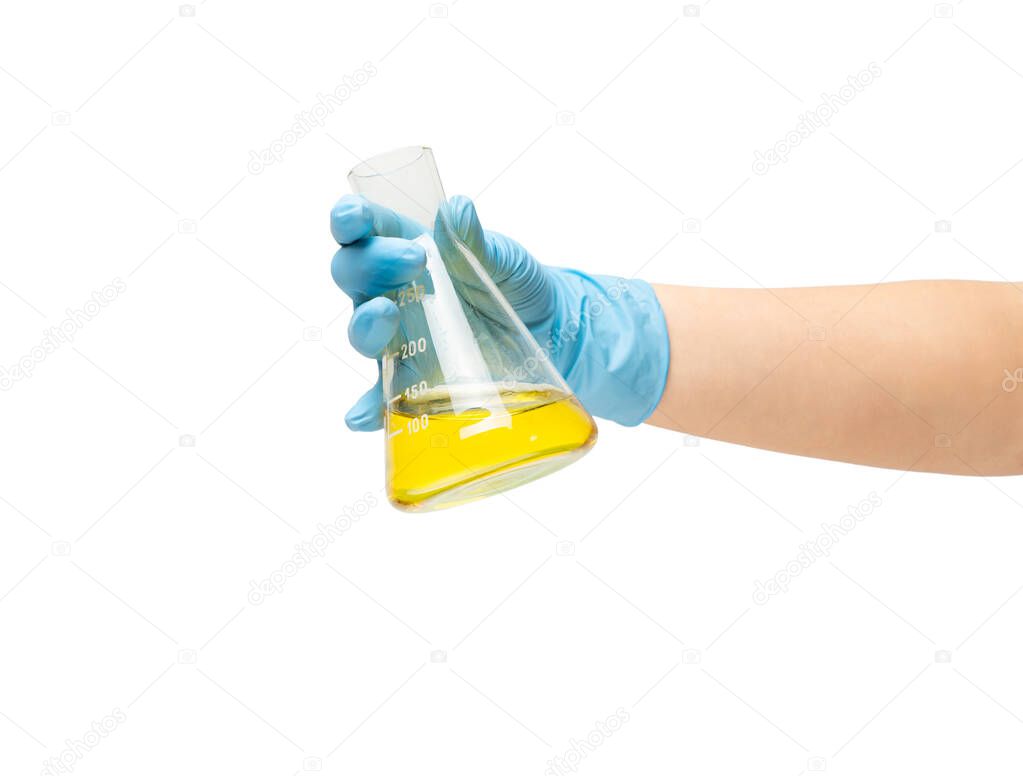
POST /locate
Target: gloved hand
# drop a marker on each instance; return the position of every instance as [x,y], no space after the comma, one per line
[606,335]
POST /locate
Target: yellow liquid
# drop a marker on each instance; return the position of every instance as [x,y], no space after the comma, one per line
[438,458]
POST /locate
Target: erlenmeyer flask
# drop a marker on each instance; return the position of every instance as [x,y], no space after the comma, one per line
[473,405]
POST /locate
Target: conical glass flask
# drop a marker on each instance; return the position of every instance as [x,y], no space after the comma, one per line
[473,405]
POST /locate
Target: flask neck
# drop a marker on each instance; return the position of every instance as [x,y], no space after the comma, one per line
[404,180]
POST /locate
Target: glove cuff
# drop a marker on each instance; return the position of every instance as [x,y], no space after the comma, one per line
[610,344]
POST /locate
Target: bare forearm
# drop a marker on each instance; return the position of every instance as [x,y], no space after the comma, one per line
[902,375]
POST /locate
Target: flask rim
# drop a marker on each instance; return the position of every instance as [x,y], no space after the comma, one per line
[389,163]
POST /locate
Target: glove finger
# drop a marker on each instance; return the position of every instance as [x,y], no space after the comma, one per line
[355,217]
[375,265]
[367,414]
[373,325]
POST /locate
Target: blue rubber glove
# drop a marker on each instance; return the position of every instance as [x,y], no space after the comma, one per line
[606,335]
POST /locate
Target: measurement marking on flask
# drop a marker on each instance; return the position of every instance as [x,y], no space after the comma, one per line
[395,433]
[414,391]
[412,348]
[419,423]
[411,294]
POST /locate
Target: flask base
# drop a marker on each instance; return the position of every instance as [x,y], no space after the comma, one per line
[438,458]
[486,485]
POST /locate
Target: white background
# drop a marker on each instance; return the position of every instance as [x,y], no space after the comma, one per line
[126,554]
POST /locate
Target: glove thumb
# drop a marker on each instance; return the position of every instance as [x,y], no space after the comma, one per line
[465,223]
[520,277]
[502,258]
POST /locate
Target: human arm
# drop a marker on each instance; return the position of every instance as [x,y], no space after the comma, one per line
[903,375]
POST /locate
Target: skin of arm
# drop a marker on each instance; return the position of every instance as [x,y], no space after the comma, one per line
[911,376]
